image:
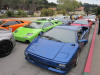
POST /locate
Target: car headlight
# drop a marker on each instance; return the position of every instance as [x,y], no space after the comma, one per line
[30,34]
[62,65]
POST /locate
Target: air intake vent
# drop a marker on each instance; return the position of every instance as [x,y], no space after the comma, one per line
[73,44]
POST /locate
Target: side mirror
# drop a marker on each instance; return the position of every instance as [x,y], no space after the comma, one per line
[83,41]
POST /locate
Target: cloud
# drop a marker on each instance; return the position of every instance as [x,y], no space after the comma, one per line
[55,1]
[90,1]
[83,1]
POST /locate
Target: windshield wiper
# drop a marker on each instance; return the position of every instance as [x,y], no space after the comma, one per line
[51,38]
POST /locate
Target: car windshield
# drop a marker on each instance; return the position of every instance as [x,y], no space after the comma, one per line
[61,35]
[81,22]
[1,22]
[36,25]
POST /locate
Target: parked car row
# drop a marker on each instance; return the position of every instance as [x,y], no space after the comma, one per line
[54,44]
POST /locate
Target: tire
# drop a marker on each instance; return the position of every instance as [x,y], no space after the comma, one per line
[75,64]
[85,43]
[41,33]
[76,60]
[27,41]
[6,47]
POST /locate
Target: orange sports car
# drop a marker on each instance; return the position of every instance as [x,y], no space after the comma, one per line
[13,24]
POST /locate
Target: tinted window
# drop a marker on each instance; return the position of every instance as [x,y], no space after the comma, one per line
[62,35]
[56,22]
[81,22]
[42,19]
[19,22]
[22,22]
[36,25]
[10,23]
[47,24]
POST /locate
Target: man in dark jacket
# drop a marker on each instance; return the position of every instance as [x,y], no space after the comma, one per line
[98,15]
[99,26]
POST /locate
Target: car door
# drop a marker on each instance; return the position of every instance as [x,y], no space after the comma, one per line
[47,26]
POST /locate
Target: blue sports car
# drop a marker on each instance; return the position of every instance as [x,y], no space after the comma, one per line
[57,50]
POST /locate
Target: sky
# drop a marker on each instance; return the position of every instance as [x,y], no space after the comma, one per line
[83,1]
[55,1]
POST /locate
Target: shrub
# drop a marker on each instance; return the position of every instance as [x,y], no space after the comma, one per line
[61,12]
[47,12]
[21,13]
[10,14]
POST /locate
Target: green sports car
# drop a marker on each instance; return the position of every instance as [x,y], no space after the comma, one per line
[28,33]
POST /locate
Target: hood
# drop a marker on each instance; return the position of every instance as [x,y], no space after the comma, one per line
[57,51]
[22,32]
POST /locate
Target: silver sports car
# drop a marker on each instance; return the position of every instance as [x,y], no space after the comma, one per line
[7,42]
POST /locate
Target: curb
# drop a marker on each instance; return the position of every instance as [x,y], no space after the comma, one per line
[86,73]
[87,68]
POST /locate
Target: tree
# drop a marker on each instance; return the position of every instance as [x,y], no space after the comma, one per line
[68,5]
[98,11]
[90,8]
[31,5]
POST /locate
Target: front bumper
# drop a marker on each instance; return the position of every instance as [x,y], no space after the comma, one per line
[21,39]
[51,68]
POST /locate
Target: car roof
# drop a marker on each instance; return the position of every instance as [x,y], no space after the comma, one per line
[73,28]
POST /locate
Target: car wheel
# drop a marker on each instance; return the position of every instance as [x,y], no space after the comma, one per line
[41,33]
[76,60]
[27,41]
[6,47]
[75,64]
[85,43]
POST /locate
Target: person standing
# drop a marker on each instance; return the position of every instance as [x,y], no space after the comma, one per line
[98,16]
[99,25]
[71,16]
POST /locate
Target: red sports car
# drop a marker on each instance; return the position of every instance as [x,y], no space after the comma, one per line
[82,22]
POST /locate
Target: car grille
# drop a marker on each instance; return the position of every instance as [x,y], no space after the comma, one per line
[43,62]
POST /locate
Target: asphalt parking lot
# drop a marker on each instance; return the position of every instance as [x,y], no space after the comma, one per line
[15,63]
